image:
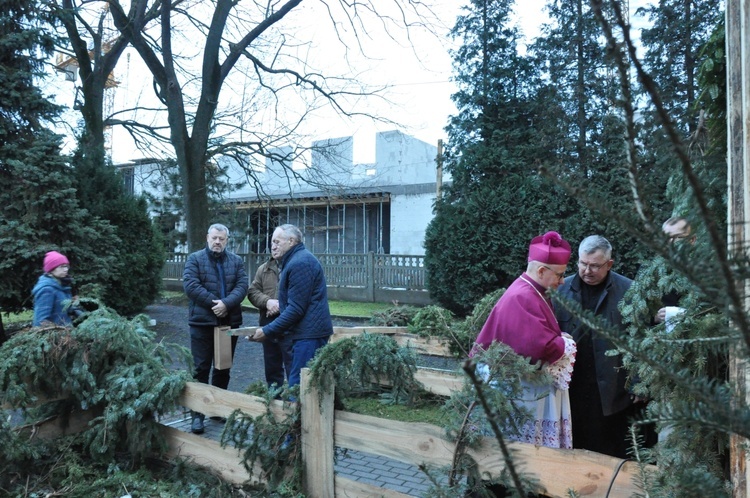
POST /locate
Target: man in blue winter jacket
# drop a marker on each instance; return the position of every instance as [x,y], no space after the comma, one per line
[216,283]
[303,300]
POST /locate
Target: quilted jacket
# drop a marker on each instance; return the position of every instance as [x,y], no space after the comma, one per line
[202,285]
[303,298]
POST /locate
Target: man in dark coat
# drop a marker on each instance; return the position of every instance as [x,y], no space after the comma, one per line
[263,294]
[216,283]
[303,300]
[600,403]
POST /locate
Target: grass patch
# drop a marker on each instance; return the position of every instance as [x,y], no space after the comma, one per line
[338,308]
[13,318]
[427,411]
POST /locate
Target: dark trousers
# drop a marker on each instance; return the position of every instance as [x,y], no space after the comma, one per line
[302,352]
[277,359]
[202,347]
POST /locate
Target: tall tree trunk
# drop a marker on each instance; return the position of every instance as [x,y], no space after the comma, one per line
[580,90]
[738,112]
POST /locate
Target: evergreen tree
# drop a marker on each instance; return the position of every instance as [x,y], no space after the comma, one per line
[590,157]
[139,254]
[41,212]
[697,343]
[673,56]
[497,202]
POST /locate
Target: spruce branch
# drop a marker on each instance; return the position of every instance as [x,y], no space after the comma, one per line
[470,368]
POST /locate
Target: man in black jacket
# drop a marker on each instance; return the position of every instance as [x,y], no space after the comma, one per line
[600,403]
[216,283]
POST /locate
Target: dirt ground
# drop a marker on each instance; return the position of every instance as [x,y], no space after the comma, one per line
[247,367]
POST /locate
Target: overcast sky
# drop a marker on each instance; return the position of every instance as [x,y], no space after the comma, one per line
[418,71]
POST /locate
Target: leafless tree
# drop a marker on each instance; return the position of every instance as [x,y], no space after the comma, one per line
[257,43]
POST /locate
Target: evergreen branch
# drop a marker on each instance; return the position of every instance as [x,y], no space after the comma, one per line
[470,368]
[709,396]
[732,291]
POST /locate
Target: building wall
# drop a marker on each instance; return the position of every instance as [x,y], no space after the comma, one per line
[404,171]
[410,214]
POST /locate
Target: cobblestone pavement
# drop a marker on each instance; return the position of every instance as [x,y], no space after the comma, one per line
[247,368]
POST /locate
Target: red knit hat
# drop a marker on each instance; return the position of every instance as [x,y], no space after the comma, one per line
[549,248]
[53,259]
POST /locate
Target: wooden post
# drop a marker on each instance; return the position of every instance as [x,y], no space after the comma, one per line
[317,439]
[370,262]
[222,348]
[738,160]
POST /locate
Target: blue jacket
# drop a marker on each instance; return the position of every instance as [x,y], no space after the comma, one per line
[303,298]
[610,375]
[51,301]
[202,285]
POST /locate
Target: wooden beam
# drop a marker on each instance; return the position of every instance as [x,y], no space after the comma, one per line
[209,454]
[317,439]
[558,471]
[56,426]
[213,401]
[423,345]
[355,489]
[222,348]
[737,17]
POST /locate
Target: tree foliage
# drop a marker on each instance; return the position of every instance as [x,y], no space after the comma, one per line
[108,365]
[497,202]
[137,248]
[41,211]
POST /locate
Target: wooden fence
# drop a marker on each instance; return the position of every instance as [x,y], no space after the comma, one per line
[352,277]
[590,474]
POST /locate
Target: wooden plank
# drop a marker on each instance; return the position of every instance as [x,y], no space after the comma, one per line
[317,439]
[209,454]
[370,330]
[439,382]
[213,401]
[588,473]
[40,399]
[428,346]
[347,488]
[222,348]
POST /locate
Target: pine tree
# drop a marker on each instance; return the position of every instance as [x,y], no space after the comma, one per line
[41,212]
[590,157]
[139,254]
[693,449]
[497,202]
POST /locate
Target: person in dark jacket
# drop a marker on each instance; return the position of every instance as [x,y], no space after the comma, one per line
[600,402]
[52,292]
[263,294]
[215,281]
[303,300]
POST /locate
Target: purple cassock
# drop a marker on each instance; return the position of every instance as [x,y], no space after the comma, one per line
[523,319]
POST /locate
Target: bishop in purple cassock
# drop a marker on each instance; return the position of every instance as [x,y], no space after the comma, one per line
[523,319]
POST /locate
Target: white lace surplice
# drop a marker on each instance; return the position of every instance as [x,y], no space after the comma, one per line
[550,405]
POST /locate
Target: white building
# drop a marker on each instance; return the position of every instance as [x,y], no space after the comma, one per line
[341,207]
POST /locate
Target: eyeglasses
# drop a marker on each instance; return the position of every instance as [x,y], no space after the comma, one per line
[559,275]
[590,266]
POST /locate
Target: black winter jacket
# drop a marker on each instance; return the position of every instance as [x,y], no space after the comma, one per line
[610,375]
[201,283]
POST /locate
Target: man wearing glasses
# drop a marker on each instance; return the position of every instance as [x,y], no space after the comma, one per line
[601,406]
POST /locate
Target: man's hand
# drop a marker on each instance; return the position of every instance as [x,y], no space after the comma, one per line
[259,335]
[272,307]
[661,315]
[219,308]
